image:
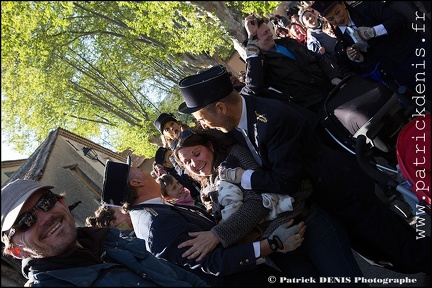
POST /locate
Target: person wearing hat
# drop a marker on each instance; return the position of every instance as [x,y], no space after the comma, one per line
[371,33]
[169,127]
[38,228]
[321,38]
[163,164]
[325,252]
[285,145]
[165,226]
[302,76]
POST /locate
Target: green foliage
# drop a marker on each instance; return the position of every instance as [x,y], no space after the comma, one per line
[258,8]
[100,69]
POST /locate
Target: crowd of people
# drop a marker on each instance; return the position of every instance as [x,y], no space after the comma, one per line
[253,189]
[305,25]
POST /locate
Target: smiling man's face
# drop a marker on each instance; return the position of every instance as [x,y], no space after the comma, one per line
[338,15]
[53,233]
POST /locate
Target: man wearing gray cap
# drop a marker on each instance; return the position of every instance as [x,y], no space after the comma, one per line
[285,145]
[37,227]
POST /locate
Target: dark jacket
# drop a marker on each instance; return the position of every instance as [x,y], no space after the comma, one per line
[392,50]
[107,260]
[164,227]
[305,80]
[291,151]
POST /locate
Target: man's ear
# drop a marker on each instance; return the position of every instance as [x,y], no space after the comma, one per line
[220,107]
[134,182]
[17,252]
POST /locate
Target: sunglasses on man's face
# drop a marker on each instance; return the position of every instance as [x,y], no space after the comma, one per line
[26,220]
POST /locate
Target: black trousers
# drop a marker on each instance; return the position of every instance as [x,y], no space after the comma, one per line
[344,190]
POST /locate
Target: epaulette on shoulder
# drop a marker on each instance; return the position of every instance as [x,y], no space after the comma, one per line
[353,3]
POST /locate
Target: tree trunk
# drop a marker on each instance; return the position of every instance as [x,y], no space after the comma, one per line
[230,21]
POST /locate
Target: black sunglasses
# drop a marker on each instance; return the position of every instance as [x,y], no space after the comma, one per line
[26,220]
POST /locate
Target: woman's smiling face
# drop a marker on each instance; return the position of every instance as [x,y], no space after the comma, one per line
[197,159]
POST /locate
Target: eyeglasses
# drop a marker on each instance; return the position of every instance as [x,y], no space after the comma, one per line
[26,220]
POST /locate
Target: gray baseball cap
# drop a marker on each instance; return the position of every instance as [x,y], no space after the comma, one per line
[13,197]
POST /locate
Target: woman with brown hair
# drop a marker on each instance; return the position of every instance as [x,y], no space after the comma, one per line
[325,250]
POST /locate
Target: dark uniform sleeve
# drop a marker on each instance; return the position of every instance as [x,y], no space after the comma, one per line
[169,230]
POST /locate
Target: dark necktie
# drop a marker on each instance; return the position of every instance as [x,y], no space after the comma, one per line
[251,146]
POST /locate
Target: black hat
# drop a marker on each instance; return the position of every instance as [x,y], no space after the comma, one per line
[162,119]
[160,155]
[114,191]
[204,88]
[323,7]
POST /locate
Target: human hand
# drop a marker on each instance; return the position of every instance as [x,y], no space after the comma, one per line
[252,48]
[160,170]
[366,33]
[251,26]
[286,238]
[203,243]
[232,175]
[354,54]
[336,81]
[321,50]
[229,170]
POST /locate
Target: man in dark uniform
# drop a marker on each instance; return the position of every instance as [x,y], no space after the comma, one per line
[165,226]
[379,35]
[306,79]
[288,151]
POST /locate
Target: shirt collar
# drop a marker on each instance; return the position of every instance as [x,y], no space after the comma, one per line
[243,119]
[156,200]
[350,23]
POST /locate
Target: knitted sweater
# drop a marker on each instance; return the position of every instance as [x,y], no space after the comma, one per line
[237,227]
